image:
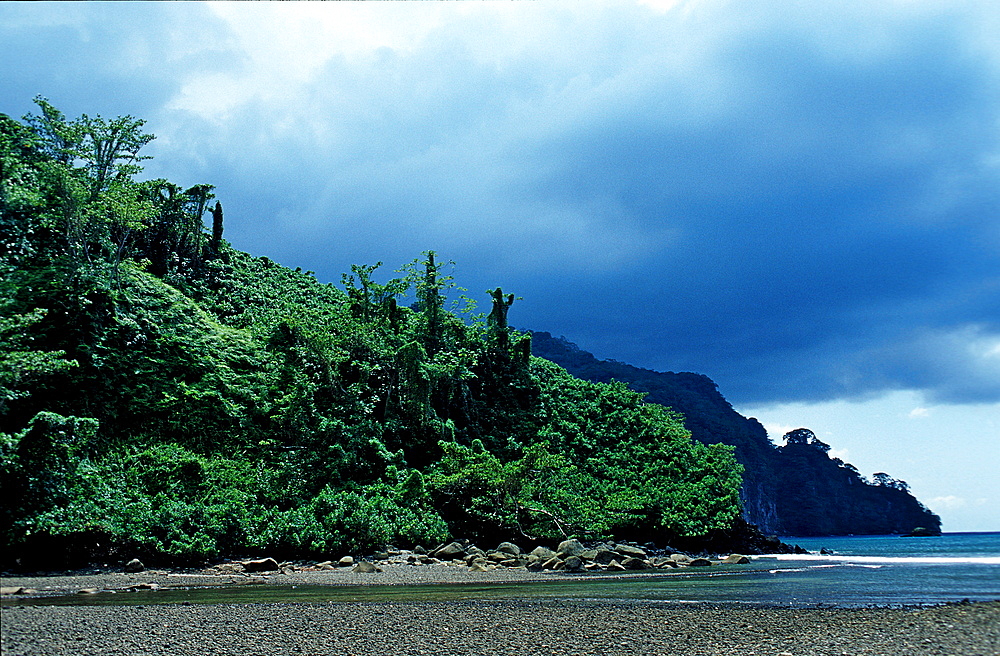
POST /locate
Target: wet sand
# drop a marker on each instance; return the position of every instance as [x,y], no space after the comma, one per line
[551,627]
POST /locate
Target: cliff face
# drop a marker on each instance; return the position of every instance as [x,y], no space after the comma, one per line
[796,489]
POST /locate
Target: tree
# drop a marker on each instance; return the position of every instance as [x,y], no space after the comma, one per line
[881,479]
[804,436]
[58,138]
[497,321]
[216,228]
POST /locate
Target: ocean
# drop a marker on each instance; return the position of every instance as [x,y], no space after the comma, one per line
[884,570]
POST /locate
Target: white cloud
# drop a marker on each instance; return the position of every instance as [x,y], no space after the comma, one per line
[919,412]
[950,502]
[843,454]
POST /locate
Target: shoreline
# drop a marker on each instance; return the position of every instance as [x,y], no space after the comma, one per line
[387,585]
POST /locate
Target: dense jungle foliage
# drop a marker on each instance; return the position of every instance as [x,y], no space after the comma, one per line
[794,489]
[164,395]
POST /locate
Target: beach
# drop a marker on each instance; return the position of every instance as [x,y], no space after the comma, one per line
[507,626]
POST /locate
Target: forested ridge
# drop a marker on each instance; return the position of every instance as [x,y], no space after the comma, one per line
[165,395]
[792,489]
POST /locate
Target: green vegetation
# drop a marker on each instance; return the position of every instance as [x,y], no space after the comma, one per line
[795,489]
[820,495]
[164,395]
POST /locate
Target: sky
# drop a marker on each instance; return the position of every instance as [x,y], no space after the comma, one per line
[800,200]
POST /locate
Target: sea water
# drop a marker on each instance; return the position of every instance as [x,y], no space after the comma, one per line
[861,571]
[887,569]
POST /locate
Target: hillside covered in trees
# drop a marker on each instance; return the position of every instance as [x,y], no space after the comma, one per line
[793,489]
[166,396]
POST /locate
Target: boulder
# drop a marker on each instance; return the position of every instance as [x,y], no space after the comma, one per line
[509,548]
[364,567]
[260,565]
[604,555]
[479,566]
[736,559]
[346,561]
[629,551]
[326,564]
[571,547]
[542,553]
[555,562]
[134,565]
[635,563]
[615,566]
[449,551]
[680,558]
[573,564]
[700,562]
[664,562]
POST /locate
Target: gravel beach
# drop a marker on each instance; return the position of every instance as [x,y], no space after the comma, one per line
[551,627]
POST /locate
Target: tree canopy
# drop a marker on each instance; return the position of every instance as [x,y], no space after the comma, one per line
[164,393]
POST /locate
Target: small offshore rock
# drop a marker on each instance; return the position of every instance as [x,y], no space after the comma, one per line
[346,561]
[736,559]
[364,567]
[134,565]
[260,565]
[11,590]
[700,562]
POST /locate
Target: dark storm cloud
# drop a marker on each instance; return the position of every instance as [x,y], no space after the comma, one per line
[801,206]
[834,233]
